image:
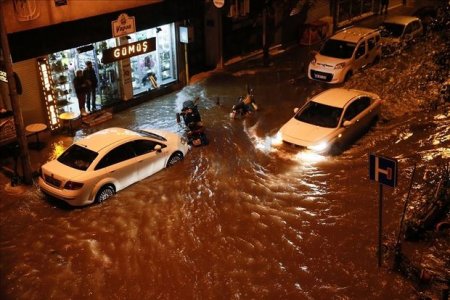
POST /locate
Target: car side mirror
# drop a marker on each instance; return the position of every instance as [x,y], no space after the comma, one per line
[347,123]
[296,110]
[157,148]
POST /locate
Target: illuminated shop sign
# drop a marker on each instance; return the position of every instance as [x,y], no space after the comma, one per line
[48,92]
[3,76]
[123,25]
[128,50]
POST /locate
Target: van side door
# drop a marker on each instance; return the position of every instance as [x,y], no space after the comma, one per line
[361,57]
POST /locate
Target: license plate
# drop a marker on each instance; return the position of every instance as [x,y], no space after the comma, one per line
[321,76]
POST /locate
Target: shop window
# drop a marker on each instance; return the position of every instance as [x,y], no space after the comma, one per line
[63,66]
[151,70]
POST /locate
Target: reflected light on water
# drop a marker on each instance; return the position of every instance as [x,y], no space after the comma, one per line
[58,149]
[439,152]
[309,157]
[267,144]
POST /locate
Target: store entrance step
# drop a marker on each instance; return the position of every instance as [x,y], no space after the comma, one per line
[97,117]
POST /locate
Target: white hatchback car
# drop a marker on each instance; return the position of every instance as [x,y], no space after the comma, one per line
[103,163]
[332,120]
[399,31]
[344,53]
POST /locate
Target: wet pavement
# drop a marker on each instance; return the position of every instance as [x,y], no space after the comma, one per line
[244,217]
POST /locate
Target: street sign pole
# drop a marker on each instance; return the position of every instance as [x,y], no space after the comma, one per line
[380,224]
[384,171]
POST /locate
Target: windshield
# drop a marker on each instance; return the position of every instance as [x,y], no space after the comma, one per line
[392,30]
[338,49]
[77,157]
[320,115]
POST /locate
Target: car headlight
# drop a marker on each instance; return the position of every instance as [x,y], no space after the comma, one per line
[277,139]
[183,140]
[339,66]
[313,61]
[319,147]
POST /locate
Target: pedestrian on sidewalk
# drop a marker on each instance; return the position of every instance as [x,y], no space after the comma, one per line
[80,86]
[91,79]
[384,6]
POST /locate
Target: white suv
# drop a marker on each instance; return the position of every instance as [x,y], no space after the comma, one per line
[345,53]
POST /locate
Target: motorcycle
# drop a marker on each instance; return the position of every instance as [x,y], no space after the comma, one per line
[195,131]
[245,106]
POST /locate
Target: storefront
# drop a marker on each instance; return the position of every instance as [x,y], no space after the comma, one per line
[149,71]
[47,58]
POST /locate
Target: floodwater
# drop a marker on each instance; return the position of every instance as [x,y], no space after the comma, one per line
[242,218]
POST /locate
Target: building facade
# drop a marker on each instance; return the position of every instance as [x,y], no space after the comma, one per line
[134,47]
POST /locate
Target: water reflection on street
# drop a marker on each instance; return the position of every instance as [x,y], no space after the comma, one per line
[242,218]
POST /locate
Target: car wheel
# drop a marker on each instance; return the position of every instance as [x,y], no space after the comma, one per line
[104,193]
[376,60]
[174,158]
[348,75]
[336,149]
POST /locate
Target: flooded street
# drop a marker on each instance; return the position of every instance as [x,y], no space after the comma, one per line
[244,217]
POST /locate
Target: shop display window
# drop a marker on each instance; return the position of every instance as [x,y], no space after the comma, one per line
[63,66]
[151,70]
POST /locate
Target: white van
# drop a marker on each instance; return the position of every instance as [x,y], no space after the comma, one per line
[344,53]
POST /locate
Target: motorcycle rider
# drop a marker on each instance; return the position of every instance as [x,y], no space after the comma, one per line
[246,105]
[193,121]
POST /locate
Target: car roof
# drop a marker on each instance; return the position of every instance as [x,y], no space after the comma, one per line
[105,138]
[400,19]
[352,34]
[337,97]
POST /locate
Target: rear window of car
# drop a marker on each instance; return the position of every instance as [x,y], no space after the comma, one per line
[77,157]
[338,49]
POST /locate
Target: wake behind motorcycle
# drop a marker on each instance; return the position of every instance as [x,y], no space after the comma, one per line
[195,131]
[246,106]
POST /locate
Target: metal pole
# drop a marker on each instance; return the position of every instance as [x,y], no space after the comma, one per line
[186,62]
[220,40]
[17,111]
[380,224]
[264,38]
[404,207]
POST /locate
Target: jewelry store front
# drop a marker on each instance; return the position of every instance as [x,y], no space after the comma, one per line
[139,63]
[130,66]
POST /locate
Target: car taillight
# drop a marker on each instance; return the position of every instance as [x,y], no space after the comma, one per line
[72,185]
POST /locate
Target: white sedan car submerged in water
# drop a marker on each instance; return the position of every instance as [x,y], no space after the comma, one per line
[101,164]
[331,120]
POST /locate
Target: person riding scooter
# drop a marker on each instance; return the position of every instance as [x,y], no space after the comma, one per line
[246,105]
[193,122]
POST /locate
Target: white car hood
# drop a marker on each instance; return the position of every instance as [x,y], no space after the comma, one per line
[328,61]
[304,134]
